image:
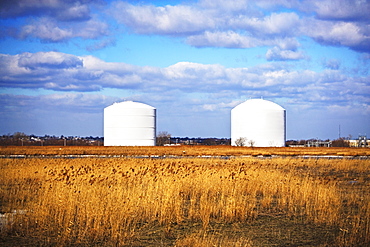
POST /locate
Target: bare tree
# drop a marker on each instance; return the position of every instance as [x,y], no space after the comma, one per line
[163,138]
[341,142]
[20,136]
[241,141]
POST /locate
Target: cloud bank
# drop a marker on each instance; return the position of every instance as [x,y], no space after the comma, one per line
[62,59]
[238,24]
[65,72]
[218,24]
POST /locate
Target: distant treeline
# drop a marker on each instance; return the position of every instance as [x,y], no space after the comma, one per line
[21,139]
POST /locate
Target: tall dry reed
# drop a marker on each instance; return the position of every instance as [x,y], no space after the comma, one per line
[117,201]
[184,150]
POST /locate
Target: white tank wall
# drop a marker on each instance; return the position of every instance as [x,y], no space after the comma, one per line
[260,121]
[129,124]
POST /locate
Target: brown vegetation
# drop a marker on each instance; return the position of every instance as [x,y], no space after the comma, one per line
[185,150]
[185,202]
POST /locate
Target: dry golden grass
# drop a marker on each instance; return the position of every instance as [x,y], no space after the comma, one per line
[185,202]
[185,150]
[207,240]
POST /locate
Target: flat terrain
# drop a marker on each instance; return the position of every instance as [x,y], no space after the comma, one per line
[202,199]
[185,150]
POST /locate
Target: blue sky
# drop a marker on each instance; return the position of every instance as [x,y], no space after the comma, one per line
[63,62]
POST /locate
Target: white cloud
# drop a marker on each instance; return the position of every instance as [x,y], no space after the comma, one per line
[49,30]
[72,10]
[76,11]
[187,76]
[49,60]
[351,10]
[216,105]
[171,20]
[229,39]
[361,109]
[286,43]
[278,54]
[331,63]
[280,24]
[91,29]
[46,29]
[236,5]
[349,34]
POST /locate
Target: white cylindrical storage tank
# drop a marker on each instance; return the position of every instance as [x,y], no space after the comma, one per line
[258,123]
[129,123]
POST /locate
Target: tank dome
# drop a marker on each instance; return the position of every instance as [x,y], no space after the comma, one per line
[259,123]
[129,123]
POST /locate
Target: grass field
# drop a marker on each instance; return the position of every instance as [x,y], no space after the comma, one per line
[185,150]
[190,201]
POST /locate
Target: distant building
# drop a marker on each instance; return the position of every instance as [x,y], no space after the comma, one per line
[362,141]
[318,143]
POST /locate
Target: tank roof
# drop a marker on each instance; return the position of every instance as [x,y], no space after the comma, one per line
[131,104]
[259,104]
